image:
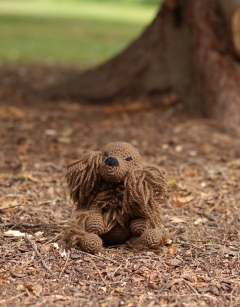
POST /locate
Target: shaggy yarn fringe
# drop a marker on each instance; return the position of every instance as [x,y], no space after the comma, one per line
[139,195]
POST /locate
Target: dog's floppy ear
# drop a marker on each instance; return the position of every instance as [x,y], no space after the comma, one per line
[83,177]
[157,183]
[147,190]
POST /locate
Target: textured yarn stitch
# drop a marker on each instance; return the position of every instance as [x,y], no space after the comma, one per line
[115,197]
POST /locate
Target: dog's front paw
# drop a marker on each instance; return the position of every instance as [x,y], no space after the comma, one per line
[138,226]
[91,243]
[152,238]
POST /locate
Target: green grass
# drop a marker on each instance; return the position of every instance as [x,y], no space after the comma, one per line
[68,31]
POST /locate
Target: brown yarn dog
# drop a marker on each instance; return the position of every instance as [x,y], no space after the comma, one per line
[116,198]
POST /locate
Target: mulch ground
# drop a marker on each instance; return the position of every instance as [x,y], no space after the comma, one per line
[201,264]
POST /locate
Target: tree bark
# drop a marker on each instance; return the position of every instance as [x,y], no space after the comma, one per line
[231,10]
[215,65]
[191,48]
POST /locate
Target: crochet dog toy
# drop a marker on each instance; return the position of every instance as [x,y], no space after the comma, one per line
[116,198]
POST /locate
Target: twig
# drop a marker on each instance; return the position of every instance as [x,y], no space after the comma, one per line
[56,167]
[205,268]
[99,257]
[231,296]
[99,273]
[164,286]
[68,254]
[27,225]
[116,270]
[153,256]
[190,286]
[222,170]
[34,246]
[216,204]
[11,298]
[108,283]
[172,295]
[25,264]
[46,202]
[132,294]
[9,195]
[10,206]
[161,289]
[54,238]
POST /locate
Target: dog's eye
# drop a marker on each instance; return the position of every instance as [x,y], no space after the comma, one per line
[128,159]
[106,154]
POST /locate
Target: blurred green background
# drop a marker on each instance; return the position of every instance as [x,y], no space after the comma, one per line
[70,31]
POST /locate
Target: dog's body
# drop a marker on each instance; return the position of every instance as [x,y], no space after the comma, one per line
[116,198]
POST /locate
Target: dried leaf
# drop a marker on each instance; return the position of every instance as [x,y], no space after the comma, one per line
[197,285]
[214,289]
[38,234]
[153,276]
[178,148]
[30,177]
[3,281]
[172,250]
[11,111]
[225,286]
[170,99]
[119,289]
[173,282]
[234,163]
[64,139]
[58,297]
[175,262]
[18,274]
[186,199]
[70,106]
[51,192]
[23,148]
[15,233]
[176,203]
[176,220]
[153,286]
[104,289]
[67,132]
[50,132]
[113,302]
[198,221]
[37,289]
[8,204]
[136,279]
[172,181]
[34,289]
[131,107]
[21,287]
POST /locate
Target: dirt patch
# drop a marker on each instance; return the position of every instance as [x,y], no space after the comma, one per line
[200,267]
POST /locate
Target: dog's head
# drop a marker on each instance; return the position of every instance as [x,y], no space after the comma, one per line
[111,164]
[118,159]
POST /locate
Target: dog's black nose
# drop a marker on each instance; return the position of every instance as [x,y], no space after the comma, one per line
[110,161]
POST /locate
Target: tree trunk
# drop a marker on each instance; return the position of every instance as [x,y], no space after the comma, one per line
[191,48]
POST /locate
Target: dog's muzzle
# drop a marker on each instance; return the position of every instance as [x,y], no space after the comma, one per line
[113,169]
[110,161]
